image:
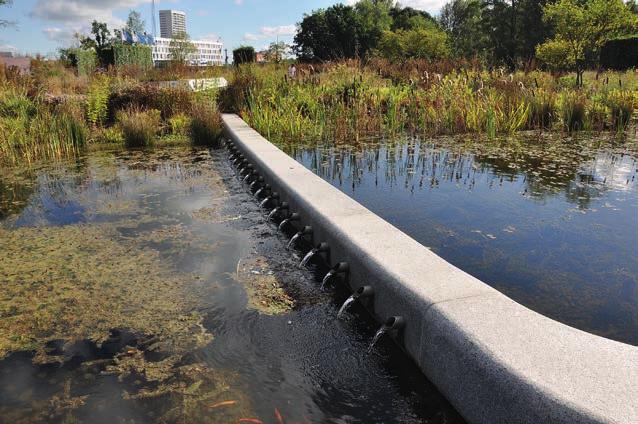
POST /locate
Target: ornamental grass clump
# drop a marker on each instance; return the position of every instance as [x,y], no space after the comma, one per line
[621,106]
[205,124]
[573,107]
[139,127]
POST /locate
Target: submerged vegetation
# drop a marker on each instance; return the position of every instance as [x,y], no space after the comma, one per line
[107,294]
[349,101]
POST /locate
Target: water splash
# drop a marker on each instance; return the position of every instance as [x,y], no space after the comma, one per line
[383,330]
[265,202]
[327,278]
[346,305]
[294,238]
[260,191]
[272,213]
[283,224]
[307,258]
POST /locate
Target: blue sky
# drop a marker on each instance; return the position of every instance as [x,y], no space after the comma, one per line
[44,25]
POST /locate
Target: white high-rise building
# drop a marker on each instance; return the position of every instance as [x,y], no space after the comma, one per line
[172,22]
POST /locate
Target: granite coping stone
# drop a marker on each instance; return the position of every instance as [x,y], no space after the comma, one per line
[494,359]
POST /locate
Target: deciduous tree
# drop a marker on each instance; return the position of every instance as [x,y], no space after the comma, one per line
[421,43]
[277,51]
[244,54]
[181,48]
[581,29]
[135,23]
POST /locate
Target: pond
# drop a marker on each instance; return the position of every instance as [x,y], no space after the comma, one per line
[147,286]
[551,222]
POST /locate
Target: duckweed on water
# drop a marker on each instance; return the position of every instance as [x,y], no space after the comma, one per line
[78,282]
[265,292]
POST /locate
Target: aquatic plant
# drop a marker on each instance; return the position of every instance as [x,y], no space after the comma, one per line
[621,106]
[179,124]
[139,127]
[97,98]
[169,101]
[32,130]
[572,109]
[205,124]
[110,135]
[345,101]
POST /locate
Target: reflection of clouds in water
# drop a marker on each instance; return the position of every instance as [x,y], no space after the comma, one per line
[615,171]
[540,220]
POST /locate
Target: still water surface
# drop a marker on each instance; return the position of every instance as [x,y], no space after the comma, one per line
[147,287]
[551,223]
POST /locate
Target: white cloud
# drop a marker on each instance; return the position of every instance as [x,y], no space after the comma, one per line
[61,35]
[271,32]
[210,37]
[81,12]
[72,16]
[8,48]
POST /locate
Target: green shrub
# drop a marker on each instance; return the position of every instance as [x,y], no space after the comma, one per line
[180,124]
[15,104]
[169,101]
[138,56]
[139,127]
[206,125]
[244,54]
[86,61]
[97,100]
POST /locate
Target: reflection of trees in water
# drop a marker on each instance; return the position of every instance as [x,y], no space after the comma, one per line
[582,170]
[14,195]
[56,186]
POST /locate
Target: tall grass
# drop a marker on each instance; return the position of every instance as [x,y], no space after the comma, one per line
[139,127]
[31,130]
[205,124]
[343,102]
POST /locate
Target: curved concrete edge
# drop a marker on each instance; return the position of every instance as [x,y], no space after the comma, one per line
[495,360]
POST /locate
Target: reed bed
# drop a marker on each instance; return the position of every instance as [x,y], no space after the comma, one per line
[347,102]
[31,129]
[52,114]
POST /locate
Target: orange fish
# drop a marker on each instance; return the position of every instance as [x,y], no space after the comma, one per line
[250,421]
[224,403]
[280,418]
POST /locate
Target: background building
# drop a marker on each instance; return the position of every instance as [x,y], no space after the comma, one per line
[172,22]
[208,52]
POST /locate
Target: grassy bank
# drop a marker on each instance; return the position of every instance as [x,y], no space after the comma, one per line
[343,102]
[53,113]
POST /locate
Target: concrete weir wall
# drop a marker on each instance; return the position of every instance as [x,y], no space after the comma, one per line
[493,359]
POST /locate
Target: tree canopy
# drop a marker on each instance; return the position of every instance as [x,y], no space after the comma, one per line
[244,54]
[181,48]
[135,23]
[581,29]
[277,51]
[369,27]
